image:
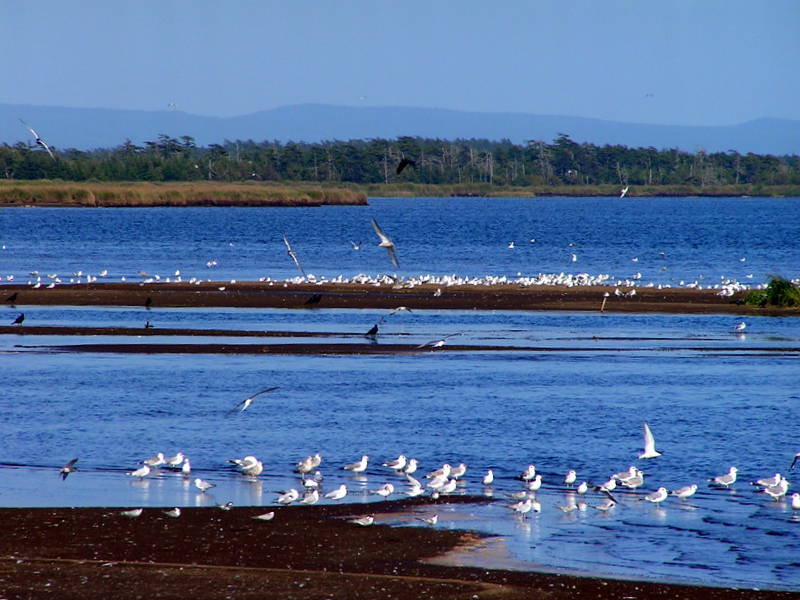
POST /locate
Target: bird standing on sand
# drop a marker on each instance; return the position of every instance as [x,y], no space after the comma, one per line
[290,251]
[39,140]
[68,468]
[386,243]
[244,404]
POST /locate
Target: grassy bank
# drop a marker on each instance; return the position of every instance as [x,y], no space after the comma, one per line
[78,194]
[142,194]
[401,190]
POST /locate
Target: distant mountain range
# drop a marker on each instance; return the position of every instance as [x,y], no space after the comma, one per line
[88,128]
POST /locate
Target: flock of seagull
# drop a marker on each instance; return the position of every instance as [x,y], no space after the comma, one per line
[448,479]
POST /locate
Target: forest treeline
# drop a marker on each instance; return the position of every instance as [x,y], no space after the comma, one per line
[563,162]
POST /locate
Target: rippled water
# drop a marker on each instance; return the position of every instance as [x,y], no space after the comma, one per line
[713,399]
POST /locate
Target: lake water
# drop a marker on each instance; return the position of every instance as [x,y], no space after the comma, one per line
[713,399]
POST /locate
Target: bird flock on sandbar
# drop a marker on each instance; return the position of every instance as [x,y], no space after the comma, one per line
[403,477]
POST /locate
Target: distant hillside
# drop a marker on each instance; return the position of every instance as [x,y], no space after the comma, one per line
[88,128]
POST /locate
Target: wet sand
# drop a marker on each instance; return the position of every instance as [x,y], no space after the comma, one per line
[304,552]
[352,295]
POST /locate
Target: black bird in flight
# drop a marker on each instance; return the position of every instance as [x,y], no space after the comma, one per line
[19,319]
[406,162]
[39,140]
[68,468]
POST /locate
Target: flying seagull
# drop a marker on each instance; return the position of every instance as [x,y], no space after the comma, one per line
[68,468]
[290,251]
[385,243]
[242,406]
[406,162]
[39,140]
[649,444]
[623,191]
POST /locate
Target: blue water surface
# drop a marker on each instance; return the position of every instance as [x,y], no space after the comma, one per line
[571,393]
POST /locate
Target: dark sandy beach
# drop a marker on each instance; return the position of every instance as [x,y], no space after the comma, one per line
[304,552]
[351,295]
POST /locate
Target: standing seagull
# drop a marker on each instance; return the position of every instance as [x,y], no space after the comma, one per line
[68,468]
[385,243]
[39,140]
[242,406]
[649,444]
[290,251]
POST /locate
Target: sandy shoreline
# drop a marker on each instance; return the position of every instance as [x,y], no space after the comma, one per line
[352,295]
[304,552]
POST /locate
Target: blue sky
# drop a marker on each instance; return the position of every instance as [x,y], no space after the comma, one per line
[711,62]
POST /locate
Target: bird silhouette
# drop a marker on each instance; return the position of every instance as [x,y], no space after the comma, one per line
[19,319]
[373,332]
[242,406]
[406,162]
[12,297]
[39,140]
[313,300]
[68,468]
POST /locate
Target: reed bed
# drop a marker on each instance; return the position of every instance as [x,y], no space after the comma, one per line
[80,194]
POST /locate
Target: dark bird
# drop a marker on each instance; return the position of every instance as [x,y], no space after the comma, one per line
[373,332]
[406,162]
[794,462]
[12,297]
[386,243]
[68,468]
[19,319]
[315,299]
[39,140]
[290,251]
[148,325]
[148,302]
[242,406]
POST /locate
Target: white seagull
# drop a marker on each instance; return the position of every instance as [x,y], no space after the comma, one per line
[265,516]
[570,477]
[39,140]
[488,478]
[173,512]
[685,492]
[293,255]
[68,468]
[386,243]
[203,485]
[244,404]
[338,493]
[432,520]
[649,444]
[726,479]
[385,490]
[397,464]
[658,496]
[141,472]
[154,461]
[288,496]
[132,514]
[795,501]
[311,497]
[174,462]
[363,521]
[741,326]
[623,191]
[359,466]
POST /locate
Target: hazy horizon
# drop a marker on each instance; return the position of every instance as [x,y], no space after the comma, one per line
[720,62]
